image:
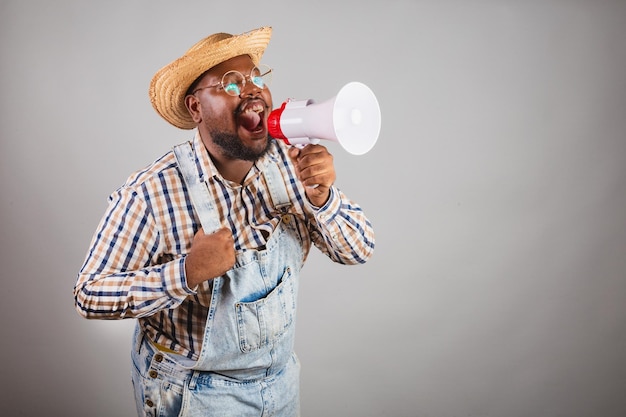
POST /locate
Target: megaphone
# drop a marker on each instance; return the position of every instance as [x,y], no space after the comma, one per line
[351,118]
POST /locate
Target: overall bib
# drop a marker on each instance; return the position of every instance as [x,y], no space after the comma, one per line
[246,366]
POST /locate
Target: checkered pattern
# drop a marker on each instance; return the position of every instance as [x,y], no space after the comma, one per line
[135,265]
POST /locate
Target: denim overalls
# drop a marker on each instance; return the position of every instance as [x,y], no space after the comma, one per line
[246,366]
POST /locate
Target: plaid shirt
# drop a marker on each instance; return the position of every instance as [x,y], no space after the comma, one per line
[135,265]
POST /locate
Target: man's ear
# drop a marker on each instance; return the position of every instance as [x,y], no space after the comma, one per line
[193,107]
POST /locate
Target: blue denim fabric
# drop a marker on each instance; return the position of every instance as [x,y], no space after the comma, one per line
[164,389]
[246,366]
[213,395]
[159,382]
[251,320]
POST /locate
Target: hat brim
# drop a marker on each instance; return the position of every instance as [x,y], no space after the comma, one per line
[170,84]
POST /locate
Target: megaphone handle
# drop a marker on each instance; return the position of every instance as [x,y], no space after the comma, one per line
[300,143]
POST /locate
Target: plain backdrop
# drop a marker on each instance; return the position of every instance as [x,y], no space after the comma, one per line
[497,190]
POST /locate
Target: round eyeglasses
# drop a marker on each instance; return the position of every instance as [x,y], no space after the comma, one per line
[234,82]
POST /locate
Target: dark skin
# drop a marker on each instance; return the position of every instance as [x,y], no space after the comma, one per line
[212,255]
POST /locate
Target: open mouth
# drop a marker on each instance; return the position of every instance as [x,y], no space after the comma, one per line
[251,116]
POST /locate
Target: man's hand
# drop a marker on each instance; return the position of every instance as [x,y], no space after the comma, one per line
[315,169]
[210,256]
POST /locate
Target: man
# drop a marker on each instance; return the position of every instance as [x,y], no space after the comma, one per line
[205,245]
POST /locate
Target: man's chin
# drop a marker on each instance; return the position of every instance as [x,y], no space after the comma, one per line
[249,149]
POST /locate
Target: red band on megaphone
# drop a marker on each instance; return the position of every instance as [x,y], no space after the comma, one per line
[273,124]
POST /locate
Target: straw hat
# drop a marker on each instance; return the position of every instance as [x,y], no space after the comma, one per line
[170,83]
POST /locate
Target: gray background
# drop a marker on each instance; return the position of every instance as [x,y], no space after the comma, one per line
[497,190]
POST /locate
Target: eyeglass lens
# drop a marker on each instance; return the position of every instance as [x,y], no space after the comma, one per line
[234,81]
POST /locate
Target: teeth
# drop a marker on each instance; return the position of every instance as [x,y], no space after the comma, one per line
[257,108]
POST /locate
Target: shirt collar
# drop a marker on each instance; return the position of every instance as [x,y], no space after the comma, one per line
[209,170]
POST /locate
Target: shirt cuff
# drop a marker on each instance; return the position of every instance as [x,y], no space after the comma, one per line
[175,279]
[328,211]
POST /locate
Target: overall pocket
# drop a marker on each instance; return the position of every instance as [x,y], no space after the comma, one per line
[262,322]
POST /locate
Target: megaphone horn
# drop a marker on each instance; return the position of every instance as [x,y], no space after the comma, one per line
[351,118]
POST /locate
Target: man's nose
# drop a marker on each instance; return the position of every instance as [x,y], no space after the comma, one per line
[250,89]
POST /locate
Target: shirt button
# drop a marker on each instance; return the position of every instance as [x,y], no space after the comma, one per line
[149,403]
[158,357]
[286,218]
[153,374]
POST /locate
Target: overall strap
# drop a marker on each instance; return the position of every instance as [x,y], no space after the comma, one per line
[277,188]
[201,197]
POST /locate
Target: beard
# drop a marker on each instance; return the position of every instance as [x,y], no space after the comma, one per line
[234,148]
